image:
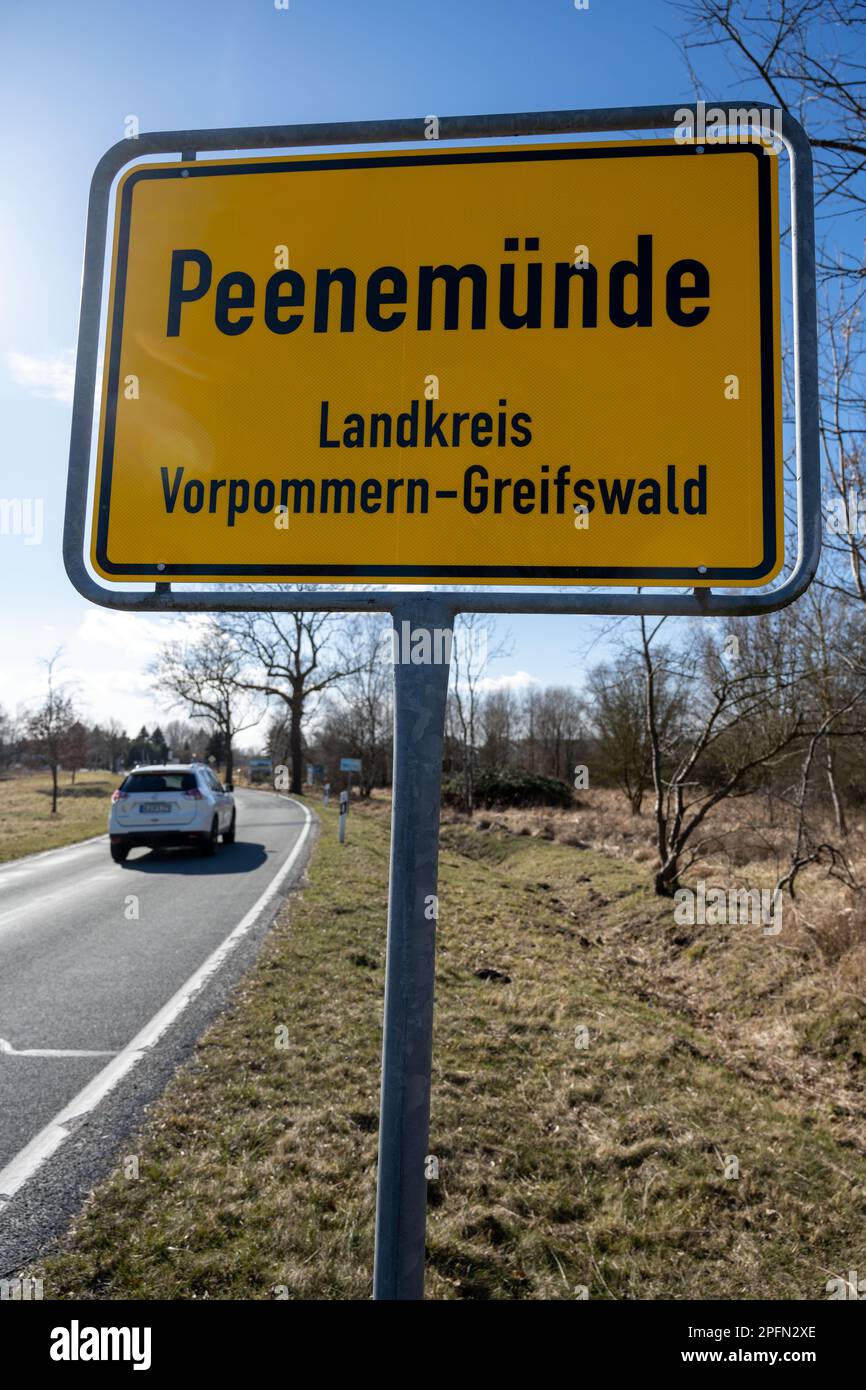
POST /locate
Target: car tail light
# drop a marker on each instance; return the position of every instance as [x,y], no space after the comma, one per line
[195,794]
[118,795]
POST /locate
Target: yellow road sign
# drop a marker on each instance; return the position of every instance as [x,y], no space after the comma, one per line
[533,364]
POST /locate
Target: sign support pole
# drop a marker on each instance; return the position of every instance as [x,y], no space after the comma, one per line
[420,694]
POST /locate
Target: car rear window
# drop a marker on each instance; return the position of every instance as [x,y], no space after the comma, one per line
[159,782]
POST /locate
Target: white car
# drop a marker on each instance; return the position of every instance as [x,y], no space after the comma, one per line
[181,804]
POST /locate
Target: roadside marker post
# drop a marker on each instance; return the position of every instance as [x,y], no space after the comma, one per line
[211,306]
[350,765]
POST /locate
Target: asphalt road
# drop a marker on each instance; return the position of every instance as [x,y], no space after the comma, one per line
[108,973]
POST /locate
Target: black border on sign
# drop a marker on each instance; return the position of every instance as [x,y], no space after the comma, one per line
[591,573]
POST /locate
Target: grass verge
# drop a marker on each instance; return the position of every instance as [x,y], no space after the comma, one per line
[27,824]
[561,1166]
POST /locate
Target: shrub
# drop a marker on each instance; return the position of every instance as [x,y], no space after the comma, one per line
[506,787]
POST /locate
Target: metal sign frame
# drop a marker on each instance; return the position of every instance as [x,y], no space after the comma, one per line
[702,602]
[420,691]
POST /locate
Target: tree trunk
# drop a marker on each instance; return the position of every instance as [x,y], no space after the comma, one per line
[54,789]
[666,876]
[230,756]
[468,783]
[838,809]
[296,746]
[667,879]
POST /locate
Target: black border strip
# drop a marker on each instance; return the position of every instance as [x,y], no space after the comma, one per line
[591,573]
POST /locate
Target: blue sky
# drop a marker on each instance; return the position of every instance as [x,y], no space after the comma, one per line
[72,74]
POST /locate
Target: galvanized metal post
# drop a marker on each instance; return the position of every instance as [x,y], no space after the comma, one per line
[421,629]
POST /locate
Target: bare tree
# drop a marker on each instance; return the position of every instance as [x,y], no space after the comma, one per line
[356,720]
[49,727]
[807,56]
[8,738]
[843,402]
[476,644]
[299,656]
[108,743]
[207,676]
[555,716]
[76,747]
[809,847]
[184,740]
[500,718]
[832,636]
[615,707]
[740,710]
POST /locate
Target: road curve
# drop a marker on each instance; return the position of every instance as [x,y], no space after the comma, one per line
[108,973]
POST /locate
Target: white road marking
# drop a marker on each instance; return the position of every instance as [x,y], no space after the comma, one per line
[31,1158]
[11,1051]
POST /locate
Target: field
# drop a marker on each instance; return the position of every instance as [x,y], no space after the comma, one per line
[26,823]
[621,1105]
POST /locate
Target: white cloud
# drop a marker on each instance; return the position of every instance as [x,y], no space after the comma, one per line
[519,680]
[51,376]
[108,659]
[135,635]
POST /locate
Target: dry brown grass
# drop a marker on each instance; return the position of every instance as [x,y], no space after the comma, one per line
[785,1006]
[27,824]
[559,1167]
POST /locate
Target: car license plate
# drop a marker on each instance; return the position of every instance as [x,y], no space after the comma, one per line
[150,808]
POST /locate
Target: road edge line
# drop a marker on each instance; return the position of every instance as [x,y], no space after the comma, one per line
[55,849]
[30,1159]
